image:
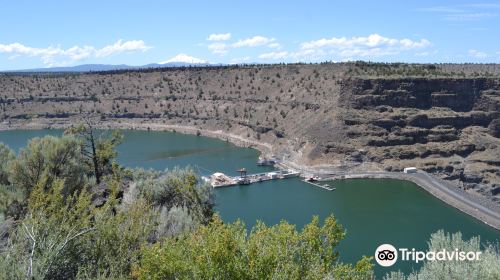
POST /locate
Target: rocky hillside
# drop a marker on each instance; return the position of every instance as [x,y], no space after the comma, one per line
[441,118]
[445,126]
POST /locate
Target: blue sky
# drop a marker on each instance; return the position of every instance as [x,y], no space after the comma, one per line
[64,33]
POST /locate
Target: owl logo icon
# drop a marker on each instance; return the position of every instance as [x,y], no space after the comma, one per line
[386,255]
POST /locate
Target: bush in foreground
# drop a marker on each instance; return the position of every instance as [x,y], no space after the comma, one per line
[58,221]
[226,251]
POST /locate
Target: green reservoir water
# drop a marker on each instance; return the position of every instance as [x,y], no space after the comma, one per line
[373,211]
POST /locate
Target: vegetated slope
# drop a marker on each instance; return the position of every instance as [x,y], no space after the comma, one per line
[442,118]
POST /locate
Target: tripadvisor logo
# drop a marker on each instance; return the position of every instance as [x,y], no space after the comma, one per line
[387,255]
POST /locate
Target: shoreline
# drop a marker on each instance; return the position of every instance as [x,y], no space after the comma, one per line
[474,206]
[218,134]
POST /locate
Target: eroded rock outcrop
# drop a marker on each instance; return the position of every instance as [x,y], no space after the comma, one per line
[435,124]
[441,118]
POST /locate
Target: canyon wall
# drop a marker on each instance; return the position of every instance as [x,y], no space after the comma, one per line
[444,119]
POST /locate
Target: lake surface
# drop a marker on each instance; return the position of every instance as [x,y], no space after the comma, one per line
[373,211]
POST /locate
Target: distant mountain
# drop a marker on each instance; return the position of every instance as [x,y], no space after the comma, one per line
[78,68]
[108,67]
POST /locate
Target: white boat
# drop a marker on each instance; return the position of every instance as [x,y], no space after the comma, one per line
[264,161]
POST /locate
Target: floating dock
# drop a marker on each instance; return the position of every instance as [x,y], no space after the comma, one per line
[317,184]
[219,179]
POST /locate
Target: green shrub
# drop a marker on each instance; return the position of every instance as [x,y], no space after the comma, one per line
[225,251]
[50,157]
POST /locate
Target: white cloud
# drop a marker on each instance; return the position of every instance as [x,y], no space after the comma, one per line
[344,48]
[298,56]
[255,41]
[219,37]
[372,41]
[409,44]
[221,48]
[274,45]
[120,46]
[484,5]
[467,12]
[442,9]
[184,58]
[469,16]
[51,56]
[477,54]
[274,55]
[218,48]
[373,45]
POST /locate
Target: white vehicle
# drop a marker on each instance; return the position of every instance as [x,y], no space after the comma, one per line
[410,170]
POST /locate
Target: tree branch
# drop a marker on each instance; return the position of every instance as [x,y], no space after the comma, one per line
[31,235]
[68,239]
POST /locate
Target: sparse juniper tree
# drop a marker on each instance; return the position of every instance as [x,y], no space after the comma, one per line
[98,149]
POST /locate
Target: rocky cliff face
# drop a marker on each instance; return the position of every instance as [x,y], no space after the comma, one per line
[345,115]
[445,126]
